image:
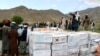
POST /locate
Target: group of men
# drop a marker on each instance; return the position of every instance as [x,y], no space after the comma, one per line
[76,20]
[13,38]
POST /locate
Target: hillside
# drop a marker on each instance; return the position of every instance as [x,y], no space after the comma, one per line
[94,13]
[31,15]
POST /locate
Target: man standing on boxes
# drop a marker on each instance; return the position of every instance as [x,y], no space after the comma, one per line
[63,23]
[75,21]
[86,22]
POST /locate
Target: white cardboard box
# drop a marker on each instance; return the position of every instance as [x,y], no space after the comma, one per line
[73,52]
[93,48]
[41,37]
[41,53]
[77,36]
[94,35]
[77,39]
[61,46]
[60,53]
[39,46]
[59,39]
[84,51]
[73,45]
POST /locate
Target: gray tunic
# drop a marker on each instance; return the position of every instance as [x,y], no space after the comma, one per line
[5,40]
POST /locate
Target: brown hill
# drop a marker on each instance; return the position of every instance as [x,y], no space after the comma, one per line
[30,15]
[94,13]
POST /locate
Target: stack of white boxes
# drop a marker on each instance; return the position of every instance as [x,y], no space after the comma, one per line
[48,44]
[40,44]
[59,45]
[77,41]
[85,51]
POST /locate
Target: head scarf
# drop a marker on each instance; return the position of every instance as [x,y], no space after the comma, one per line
[13,25]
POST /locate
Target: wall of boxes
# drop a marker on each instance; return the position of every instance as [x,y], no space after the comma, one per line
[59,43]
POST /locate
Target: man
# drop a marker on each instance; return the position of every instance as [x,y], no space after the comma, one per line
[97,51]
[70,24]
[20,30]
[1,25]
[92,25]
[86,23]
[75,21]
[23,40]
[5,41]
[63,23]
[13,38]
[47,24]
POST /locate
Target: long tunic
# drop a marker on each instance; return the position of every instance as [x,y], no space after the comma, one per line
[13,37]
[5,41]
[86,24]
[0,39]
[0,33]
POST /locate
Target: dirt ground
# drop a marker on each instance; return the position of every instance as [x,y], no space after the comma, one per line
[19,55]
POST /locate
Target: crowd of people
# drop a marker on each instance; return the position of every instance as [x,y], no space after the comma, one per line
[14,36]
[76,21]
[73,23]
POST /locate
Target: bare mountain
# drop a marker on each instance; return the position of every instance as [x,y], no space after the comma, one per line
[94,13]
[30,15]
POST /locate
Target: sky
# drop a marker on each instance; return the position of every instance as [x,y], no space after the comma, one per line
[65,6]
